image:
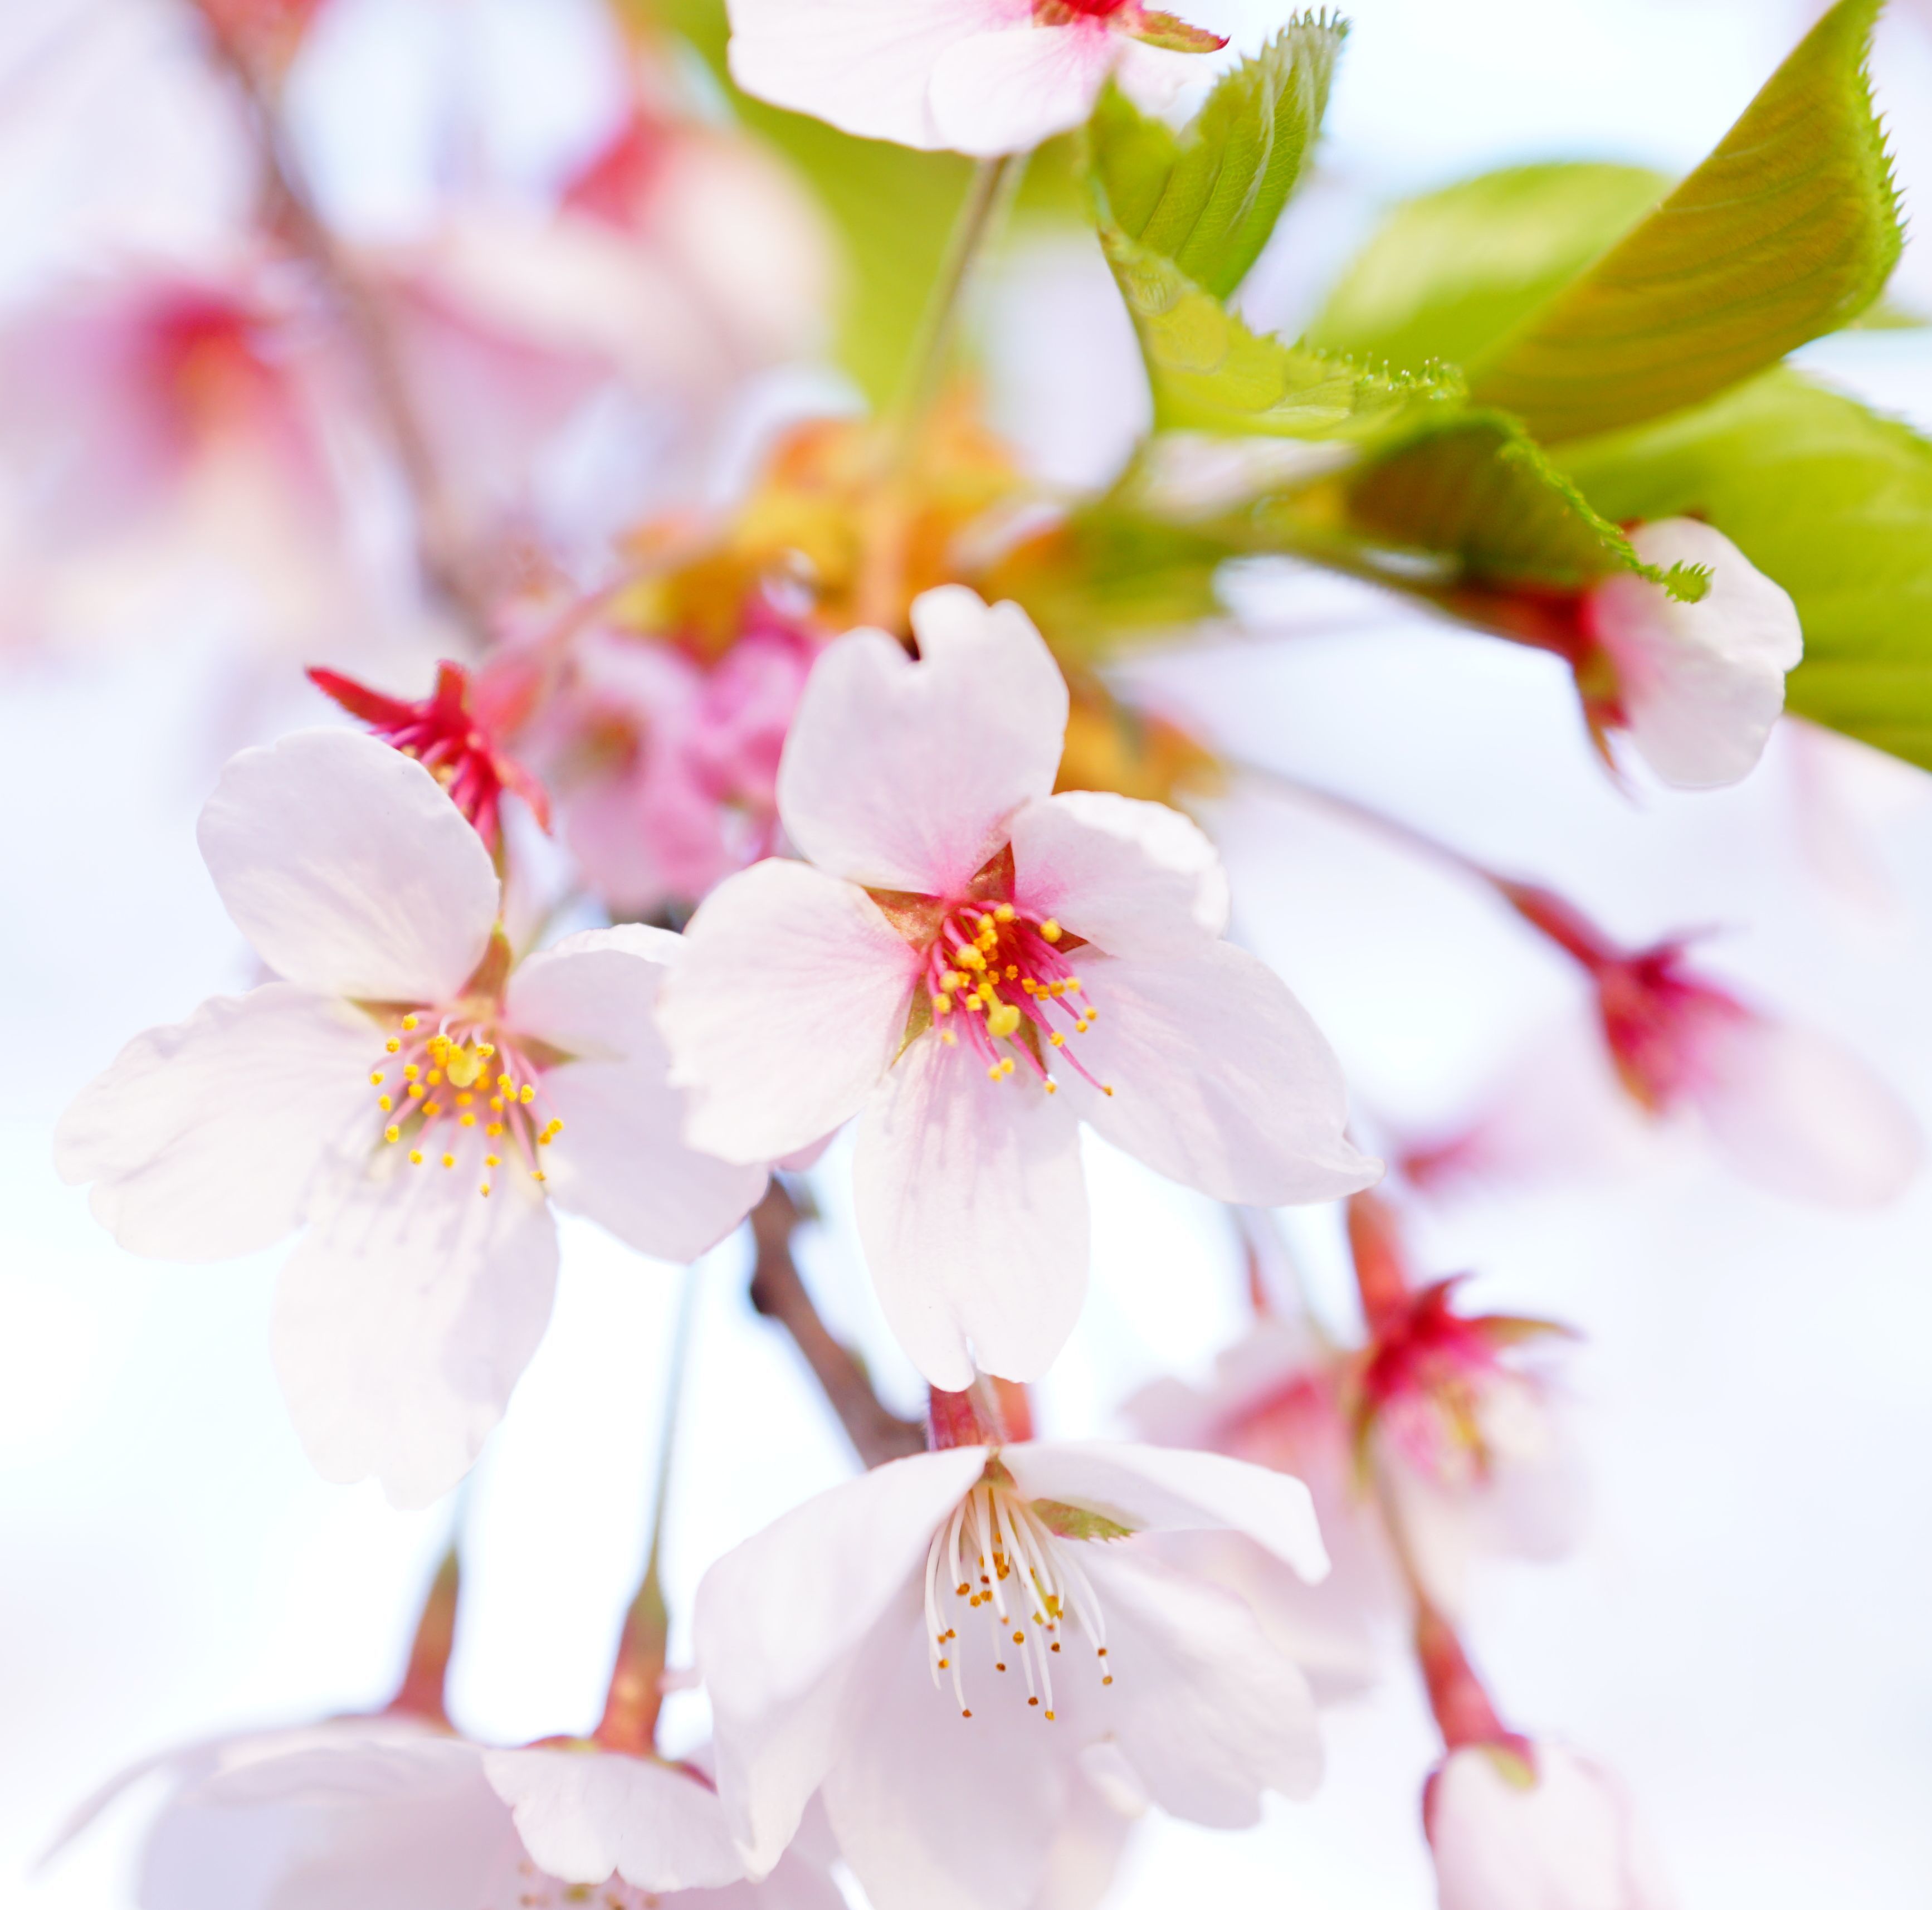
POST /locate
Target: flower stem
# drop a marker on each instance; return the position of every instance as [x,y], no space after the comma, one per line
[420,1693]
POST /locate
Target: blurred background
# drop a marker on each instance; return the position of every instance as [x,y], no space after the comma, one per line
[1742,1634]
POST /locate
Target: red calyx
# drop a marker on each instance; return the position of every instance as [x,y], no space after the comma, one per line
[452,739]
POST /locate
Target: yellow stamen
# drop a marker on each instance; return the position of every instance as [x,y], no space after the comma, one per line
[449,1160]
[417,1090]
[392,1133]
[416,1157]
[1004,913]
[1049,930]
[410,1073]
[384,1103]
[409,1024]
[392,1045]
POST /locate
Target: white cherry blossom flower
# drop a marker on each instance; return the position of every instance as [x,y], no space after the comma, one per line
[406,1093]
[980,965]
[983,76]
[1536,1827]
[943,1649]
[1697,686]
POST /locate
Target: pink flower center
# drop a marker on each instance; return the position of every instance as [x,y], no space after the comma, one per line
[1003,976]
[463,1094]
[1062,12]
[999,1557]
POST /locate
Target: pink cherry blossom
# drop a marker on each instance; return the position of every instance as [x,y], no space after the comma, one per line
[983,76]
[975,965]
[408,1094]
[937,1649]
[1514,1826]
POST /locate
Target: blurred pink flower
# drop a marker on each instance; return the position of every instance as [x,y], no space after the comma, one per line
[982,76]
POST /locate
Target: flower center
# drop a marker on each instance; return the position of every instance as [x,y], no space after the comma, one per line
[1003,976]
[461,1092]
[999,1556]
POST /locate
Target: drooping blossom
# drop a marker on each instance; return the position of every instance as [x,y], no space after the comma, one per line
[453,736]
[975,966]
[407,1094]
[983,76]
[1696,685]
[938,1648]
[1785,1106]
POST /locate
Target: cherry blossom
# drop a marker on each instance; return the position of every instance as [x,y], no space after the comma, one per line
[938,1648]
[958,926]
[408,1094]
[983,76]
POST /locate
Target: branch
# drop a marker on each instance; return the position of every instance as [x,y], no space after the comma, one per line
[876,1434]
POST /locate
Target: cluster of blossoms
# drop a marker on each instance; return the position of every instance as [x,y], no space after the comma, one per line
[875,845]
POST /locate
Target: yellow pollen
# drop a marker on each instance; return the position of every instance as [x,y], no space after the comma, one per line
[1051,1086]
[431,1110]
[496,1103]
[416,1157]
[970,957]
[1004,913]
[993,1074]
[449,1160]
[1013,971]
[490,1161]
[1073,984]
[384,1103]
[986,924]
[538,1175]
[1105,1090]
[951,1040]
[466,1120]
[409,1024]
[526,1093]
[1049,930]
[391,1046]
[417,1091]
[376,1078]
[392,1133]
[410,1073]
[435,1076]
[463,1100]
[486,1048]
[1058,1039]
[942,1005]
[504,1085]
[951,980]
[1002,1021]
[484,1190]
[495,1128]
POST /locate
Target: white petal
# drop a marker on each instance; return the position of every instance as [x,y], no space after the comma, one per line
[780,1622]
[1701,684]
[404,1320]
[1793,1110]
[936,1812]
[1102,1804]
[348,868]
[1132,877]
[203,1140]
[788,1006]
[621,1157]
[972,1208]
[1007,92]
[864,65]
[901,775]
[1221,1080]
[1156,1488]
[583,1814]
[1212,1715]
[1569,1842]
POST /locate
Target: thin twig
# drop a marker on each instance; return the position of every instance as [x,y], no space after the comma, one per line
[876,1434]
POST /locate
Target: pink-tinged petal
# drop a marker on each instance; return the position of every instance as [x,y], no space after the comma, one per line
[1211,1715]
[1700,684]
[864,65]
[1157,1488]
[1793,1110]
[1221,1079]
[972,1209]
[789,1004]
[1132,877]
[585,1814]
[1569,1841]
[348,868]
[780,1622]
[1154,77]
[902,775]
[1103,1802]
[404,1319]
[1008,92]
[936,1812]
[621,1158]
[203,1140]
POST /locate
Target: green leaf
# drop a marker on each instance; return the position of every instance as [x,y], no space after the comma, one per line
[1833,501]
[1207,198]
[1789,230]
[1448,274]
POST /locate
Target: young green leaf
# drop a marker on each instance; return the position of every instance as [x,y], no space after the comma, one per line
[1788,231]
[1450,273]
[1833,501]
[1207,197]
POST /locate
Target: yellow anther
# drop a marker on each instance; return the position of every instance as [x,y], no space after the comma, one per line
[951,980]
[987,938]
[434,1076]
[988,993]
[496,1103]
[942,1005]
[951,1040]
[495,1128]
[491,1161]
[375,1078]
[486,1048]
[1058,1039]
[974,1005]
[410,1073]
[539,1175]
[985,924]
[463,1100]
[384,1103]
[1073,984]
[970,957]
[1013,971]
[543,1138]
[392,1047]
[484,1190]
[994,1073]
[1002,1019]
[416,1157]
[417,1091]
[1049,930]
[449,1160]
[555,1125]
[1027,982]
[1052,1088]
[1004,913]
[504,1085]
[1006,1066]
[409,1024]
[392,1133]
[431,1109]
[466,1120]
[526,1093]
[1105,1090]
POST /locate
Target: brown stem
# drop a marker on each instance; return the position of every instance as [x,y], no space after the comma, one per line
[420,1694]
[446,570]
[1381,1272]
[876,1434]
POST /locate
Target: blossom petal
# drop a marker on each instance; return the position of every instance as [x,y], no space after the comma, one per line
[1221,1079]
[864,65]
[1157,1488]
[779,1624]
[1700,684]
[621,1158]
[1007,92]
[404,1320]
[901,775]
[348,868]
[1132,877]
[1793,1110]
[972,1207]
[788,1007]
[585,1814]
[202,1139]
[1212,1714]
